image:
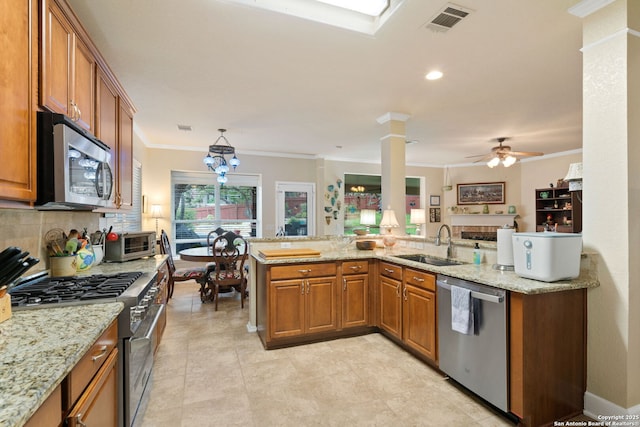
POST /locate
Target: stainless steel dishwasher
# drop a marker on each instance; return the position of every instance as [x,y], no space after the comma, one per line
[476,360]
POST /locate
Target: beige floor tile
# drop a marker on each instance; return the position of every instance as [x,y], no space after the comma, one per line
[210,371]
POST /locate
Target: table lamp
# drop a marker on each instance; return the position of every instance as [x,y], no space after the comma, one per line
[388,222]
[156,212]
[418,218]
[367,217]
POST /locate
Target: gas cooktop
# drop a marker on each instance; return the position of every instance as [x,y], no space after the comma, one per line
[60,290]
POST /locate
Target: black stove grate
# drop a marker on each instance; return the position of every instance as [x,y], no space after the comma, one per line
[57,290]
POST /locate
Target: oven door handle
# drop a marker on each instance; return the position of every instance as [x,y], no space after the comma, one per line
[137,343]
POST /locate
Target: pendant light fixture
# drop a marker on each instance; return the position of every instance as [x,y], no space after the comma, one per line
[215,160]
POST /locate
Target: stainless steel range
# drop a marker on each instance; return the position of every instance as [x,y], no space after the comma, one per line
[136,324]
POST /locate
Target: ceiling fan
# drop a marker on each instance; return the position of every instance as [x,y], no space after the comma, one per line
[503,153]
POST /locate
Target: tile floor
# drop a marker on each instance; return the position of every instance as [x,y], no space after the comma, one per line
[211,372]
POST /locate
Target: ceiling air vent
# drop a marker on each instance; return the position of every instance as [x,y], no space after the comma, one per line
[185,128]
[449,16]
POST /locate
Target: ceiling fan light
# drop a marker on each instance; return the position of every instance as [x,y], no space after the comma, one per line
[493,162]
[508,161]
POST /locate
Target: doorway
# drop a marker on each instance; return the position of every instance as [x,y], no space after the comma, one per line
[295,209]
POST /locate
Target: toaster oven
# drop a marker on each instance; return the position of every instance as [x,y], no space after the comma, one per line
[130,246]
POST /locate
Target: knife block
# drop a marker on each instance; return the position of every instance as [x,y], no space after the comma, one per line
[5,308]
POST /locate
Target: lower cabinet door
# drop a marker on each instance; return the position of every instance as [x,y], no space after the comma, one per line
[322,313]
[390,306]
[286,308]
[419,313]
[98,405]
[355,298]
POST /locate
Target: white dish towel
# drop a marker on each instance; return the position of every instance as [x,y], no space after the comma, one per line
[461,310]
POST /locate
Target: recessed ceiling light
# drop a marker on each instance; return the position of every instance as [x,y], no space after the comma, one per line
[434,75]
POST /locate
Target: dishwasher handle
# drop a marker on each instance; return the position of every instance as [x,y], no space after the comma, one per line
[477,295]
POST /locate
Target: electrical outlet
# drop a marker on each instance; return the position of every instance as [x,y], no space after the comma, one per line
[285,244]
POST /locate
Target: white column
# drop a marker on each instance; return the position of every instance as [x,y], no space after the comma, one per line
[611,191]
[393,142]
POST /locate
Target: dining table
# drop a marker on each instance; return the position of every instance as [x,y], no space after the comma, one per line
[197,254]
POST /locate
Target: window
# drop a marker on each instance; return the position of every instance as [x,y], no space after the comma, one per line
[365,192]
[129,220]
[200,204]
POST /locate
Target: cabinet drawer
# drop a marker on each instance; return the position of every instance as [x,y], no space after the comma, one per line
[391,270]
[86,369]
[355,267]
[420,278]
[299,271]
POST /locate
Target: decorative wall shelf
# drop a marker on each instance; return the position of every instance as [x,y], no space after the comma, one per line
[486,220]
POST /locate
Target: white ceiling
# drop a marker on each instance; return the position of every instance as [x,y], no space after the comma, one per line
[282,84]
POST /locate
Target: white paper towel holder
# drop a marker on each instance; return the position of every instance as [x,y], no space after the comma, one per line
[503,267]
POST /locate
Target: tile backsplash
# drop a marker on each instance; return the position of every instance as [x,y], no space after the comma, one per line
[25,228]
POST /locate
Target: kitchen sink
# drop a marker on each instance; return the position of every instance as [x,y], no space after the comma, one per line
[425,259]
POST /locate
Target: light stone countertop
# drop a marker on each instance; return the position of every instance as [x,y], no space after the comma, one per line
[39,347]
[145,265]
[483,273]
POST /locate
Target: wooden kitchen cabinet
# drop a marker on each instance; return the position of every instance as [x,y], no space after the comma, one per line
[419,312]
[547,356]
[390,285]
[302,300]
[98,405]
[408,308]
[49,414]
[67,68]
[355,293]
[124,167]
[18,85]
[114,127]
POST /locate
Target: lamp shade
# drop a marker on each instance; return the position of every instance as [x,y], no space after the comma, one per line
[156,211]
[389,220]
[368,217]
[574,173]
[417,216]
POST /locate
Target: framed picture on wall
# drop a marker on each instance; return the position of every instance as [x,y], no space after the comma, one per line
[434,200]
[481,193]
[434,214]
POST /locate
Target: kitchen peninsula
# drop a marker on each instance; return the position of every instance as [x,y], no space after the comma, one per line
[307,299]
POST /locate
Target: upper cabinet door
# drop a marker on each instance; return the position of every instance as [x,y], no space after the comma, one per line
[84,72]
[57,51]
[68,69]
[18,68]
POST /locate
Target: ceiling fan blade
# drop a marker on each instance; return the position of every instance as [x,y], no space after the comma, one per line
[525,153]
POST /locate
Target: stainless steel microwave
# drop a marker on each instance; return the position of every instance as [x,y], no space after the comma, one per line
[130,246]
[73,166]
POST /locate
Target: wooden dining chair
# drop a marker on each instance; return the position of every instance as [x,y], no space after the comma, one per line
[199,274]
[230,255]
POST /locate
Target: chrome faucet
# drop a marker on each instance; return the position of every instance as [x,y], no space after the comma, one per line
[450,247]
